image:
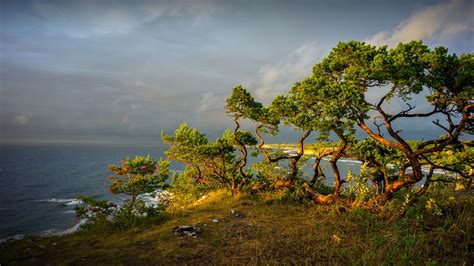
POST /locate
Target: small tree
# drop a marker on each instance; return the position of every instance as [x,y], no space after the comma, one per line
[138,176]
[242,105]
[210,161]
[184,147]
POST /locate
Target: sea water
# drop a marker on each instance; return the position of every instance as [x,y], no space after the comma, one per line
[40,183]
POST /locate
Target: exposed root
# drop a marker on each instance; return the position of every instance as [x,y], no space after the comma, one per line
[318,197]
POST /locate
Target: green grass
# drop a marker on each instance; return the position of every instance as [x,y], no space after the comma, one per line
[271,232]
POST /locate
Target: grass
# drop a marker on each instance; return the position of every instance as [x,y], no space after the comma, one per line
[271,232]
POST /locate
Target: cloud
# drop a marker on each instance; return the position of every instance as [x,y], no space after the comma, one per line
[278,78]
[85,19]
[211,111]
[210,102]
[436,23]
[22,119]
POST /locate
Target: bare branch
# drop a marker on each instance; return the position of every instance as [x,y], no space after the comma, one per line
[405,113]
[441,126]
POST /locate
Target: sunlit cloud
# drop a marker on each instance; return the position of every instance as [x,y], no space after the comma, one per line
[278,78]
[438,23]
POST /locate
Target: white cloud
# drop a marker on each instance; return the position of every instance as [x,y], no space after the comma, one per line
[437,23]
[278,78]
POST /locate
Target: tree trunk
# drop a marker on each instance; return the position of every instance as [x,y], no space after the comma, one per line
[317,171]
[294,160]
[333,162]
[316,196]
[262,142]
[243,161]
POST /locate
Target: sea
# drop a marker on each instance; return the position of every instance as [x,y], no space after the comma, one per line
[39,184]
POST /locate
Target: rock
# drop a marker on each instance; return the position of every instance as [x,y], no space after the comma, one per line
[187,230]
[41,246]
[215,220]
[54,244]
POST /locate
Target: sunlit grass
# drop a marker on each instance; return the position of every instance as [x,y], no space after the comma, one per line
[271,232]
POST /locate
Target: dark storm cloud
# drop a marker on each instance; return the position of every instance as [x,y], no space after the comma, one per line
[115,68]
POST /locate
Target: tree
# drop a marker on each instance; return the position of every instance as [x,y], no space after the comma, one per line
[354,69]
[211,161]
[267,121]
[240,104]
[184,147]
[293,113]
[323,115]
[138,176]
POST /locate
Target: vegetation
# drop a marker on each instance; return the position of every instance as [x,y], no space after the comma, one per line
[273,231]
[138,176]
[382,215]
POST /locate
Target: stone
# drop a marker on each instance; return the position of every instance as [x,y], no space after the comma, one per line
[187,230]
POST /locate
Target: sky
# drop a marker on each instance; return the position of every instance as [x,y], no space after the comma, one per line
[123,71]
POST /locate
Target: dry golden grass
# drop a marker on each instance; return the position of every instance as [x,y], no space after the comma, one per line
[269,233]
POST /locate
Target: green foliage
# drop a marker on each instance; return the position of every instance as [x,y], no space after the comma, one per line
[241,104]
[358,188]
[246,137]
[458,158]
[138,176]
[184,145]
[370,151]
[268,173]
[207,163]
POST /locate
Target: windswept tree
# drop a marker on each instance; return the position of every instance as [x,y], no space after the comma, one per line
[359,71]
[267,121]
[184,147]
[210,162]
[240,104]
[294,114]
[138,176]
[325,115]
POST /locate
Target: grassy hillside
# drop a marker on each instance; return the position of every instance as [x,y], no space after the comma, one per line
[265,231]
